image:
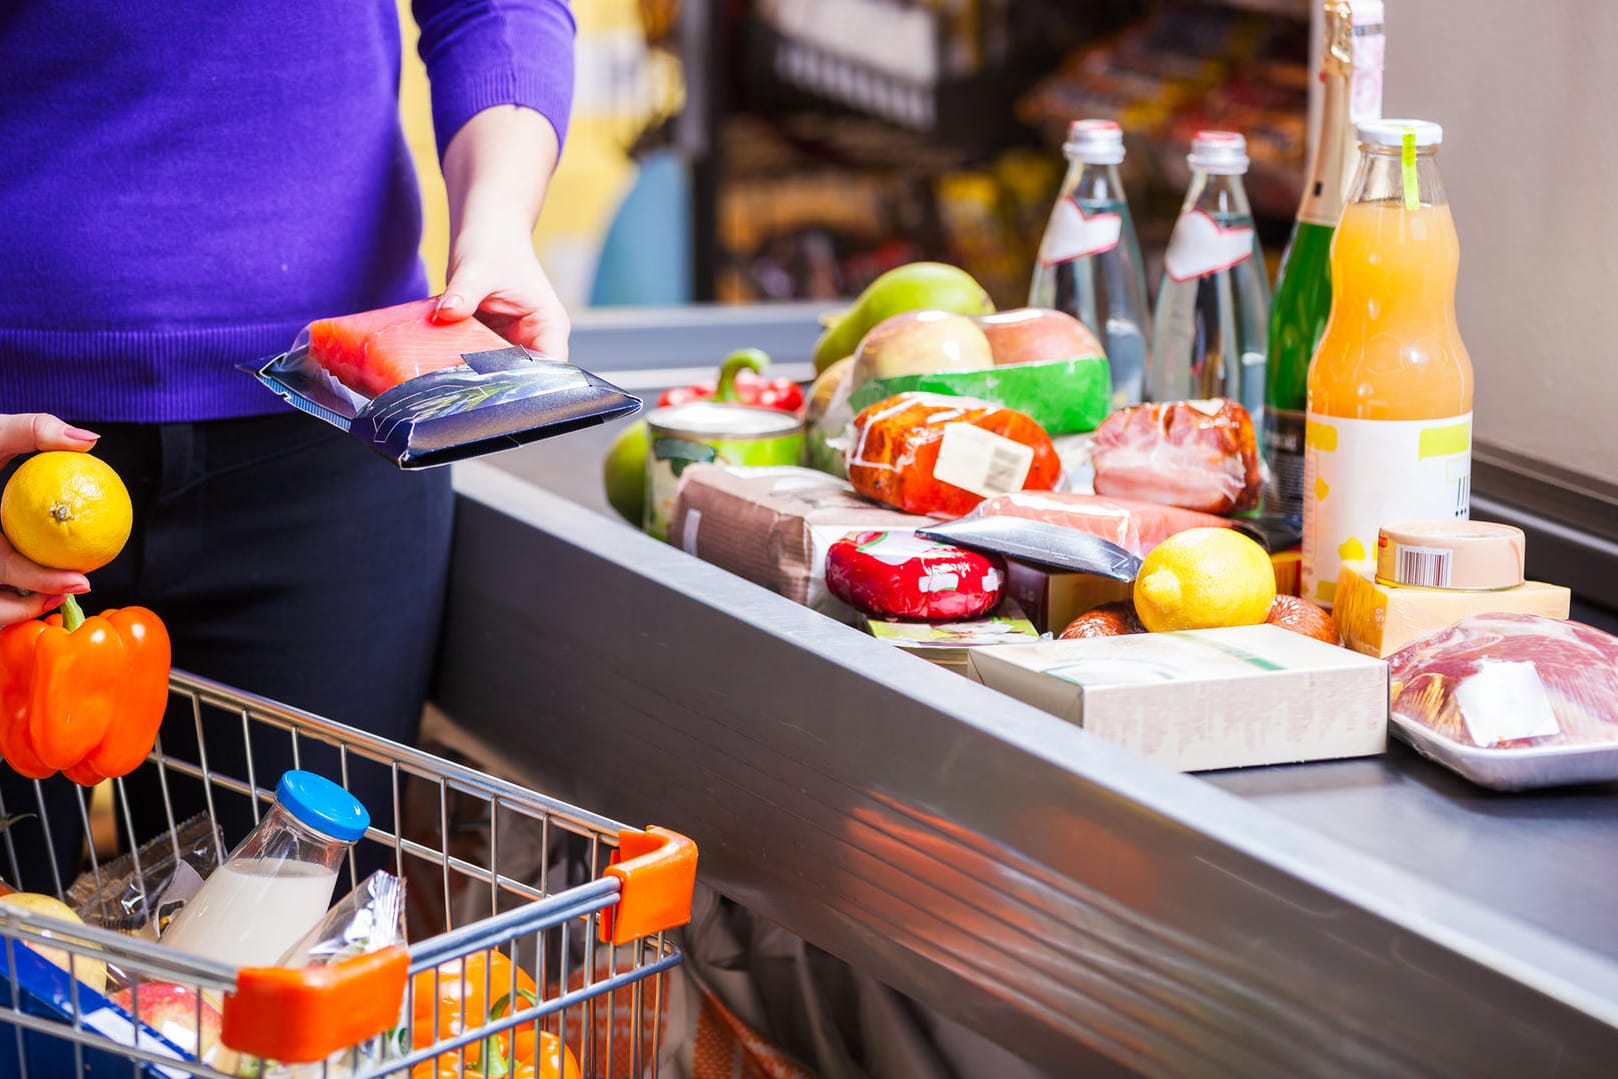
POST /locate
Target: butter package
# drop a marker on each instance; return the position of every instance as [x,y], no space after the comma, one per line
[1204,699]
[774,525]
[1379,619]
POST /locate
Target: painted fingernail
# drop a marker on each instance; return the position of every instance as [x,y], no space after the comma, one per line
[81,434]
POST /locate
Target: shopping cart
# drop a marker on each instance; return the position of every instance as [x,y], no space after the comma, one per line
[595,952]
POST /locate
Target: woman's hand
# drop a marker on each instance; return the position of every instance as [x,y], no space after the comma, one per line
[496,170]
[28,590]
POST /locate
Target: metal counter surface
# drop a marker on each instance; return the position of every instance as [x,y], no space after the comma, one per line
[1089,910]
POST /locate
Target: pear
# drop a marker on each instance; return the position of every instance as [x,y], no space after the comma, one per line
[623,473]
[917,286]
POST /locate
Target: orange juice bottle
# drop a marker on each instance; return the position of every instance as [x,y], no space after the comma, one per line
[1388,433]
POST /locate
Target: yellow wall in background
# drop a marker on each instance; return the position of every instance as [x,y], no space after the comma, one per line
[596,170]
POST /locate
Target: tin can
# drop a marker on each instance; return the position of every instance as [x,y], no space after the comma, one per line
[716,432]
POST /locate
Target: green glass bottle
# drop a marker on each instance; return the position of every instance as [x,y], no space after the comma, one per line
[1351,91]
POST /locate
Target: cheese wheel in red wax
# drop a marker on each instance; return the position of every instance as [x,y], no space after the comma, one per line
[900,575]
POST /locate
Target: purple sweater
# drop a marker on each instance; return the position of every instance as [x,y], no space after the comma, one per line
[184,185]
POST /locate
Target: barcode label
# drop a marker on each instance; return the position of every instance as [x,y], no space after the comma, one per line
[1423,567]
[981,461]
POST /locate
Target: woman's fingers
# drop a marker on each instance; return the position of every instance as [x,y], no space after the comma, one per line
[16,607]
[25,432]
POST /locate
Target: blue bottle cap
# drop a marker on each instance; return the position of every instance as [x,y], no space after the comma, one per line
[323,805]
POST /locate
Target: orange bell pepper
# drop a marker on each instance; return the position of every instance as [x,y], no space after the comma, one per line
[455,1001]
[82,695]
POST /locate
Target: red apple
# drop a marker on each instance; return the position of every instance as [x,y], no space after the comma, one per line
[1036,334]
[171,1010]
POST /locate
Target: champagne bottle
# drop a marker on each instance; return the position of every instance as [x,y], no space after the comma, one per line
[1351,92]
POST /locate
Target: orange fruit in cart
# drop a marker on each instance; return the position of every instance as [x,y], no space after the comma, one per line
[67,511]
[466,994]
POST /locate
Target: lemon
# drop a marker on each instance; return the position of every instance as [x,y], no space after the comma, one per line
[1204,578]
[92,972]
[66,511]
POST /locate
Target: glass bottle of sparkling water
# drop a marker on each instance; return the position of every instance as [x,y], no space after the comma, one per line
[1351,93]
[1213,302]
[1089,260]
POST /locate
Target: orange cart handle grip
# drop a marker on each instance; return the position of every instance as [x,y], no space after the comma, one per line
[657,874]
[303,1015]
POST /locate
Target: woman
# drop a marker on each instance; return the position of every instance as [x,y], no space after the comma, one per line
[185,186]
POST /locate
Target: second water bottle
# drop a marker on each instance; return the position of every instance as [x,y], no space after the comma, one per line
[1211,320]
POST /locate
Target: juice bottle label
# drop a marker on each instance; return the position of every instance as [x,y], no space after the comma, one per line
[1076,231]
[1200,246]
[1362,474]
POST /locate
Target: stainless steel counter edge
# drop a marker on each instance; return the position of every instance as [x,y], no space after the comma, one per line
[1089,910]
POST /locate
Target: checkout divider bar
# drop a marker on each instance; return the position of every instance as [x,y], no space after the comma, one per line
[1070,901]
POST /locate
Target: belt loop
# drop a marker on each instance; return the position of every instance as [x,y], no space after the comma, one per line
[180,466]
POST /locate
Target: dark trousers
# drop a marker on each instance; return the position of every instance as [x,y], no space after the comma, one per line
[286,560]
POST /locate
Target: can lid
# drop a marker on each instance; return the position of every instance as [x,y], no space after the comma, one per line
[1462,556]
[722,419]
[322,805]
[1095,142]
[1391,133]
[1220,152]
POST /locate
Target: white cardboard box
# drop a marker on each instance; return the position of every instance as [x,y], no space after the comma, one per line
[1204,699]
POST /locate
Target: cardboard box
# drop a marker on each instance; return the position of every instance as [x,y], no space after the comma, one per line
[1204,699]
[1052,600]
[773,526]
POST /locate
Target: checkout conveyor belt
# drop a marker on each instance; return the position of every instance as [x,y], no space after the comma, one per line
[1095,913]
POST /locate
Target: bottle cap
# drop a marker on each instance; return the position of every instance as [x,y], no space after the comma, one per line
[1461,556]
[322,805]
[1391,133]
[1223,153]
[1095,142]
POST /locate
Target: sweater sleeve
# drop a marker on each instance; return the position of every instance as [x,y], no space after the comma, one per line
[482,53]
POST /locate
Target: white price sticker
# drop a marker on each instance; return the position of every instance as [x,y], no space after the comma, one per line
[1505,702]
[981,461]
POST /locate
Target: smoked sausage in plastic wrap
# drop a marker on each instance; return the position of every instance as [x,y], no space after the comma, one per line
[928,453]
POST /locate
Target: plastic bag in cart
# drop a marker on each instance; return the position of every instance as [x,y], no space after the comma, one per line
[139,893]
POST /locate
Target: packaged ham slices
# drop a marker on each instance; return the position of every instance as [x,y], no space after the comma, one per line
[1511,701]
[937,455]
[1137,527]
[1197,455]
[900,575]
[422,392]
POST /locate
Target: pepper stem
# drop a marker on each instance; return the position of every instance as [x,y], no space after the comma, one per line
[72,614]
[751,359]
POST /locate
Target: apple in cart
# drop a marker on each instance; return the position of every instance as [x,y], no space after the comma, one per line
[171,1010]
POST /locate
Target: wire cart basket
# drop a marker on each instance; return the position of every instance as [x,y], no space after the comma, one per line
[561,982]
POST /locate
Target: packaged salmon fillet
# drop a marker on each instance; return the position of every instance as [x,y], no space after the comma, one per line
[937,455]
[1137,527]
[422,392]
[1197,455]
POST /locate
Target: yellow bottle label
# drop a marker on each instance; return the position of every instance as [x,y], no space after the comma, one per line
[1359,475]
